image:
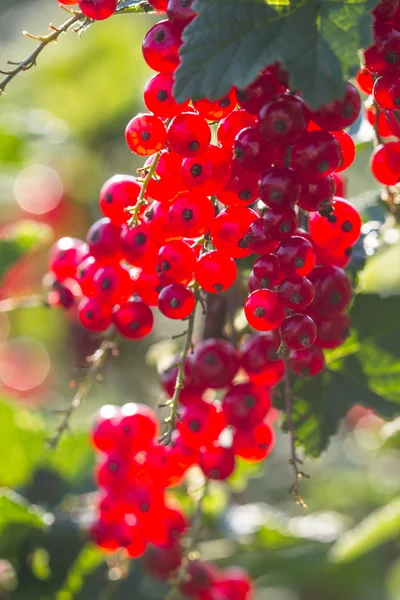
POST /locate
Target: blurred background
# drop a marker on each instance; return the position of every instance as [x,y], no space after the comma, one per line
[61,136]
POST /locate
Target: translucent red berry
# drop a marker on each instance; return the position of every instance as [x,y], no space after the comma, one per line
[215,272]
[333,291]
[230,126]
[267,270]
[331,333]
[296,292]
[65,256]
[316,154]
[188,134]
[283,119]
[298,331]
[251,151]
[307,362]
[217,109]
[161,45]
[216,363]
[117,194]
[146,134]
[96,9]
[279,187]
[317,195]
[159,98]
[94,315]
[176,301]
[296,256]
[339,114]
[217,462]
[257,93]
[209,173]
[339,229]
[103,239]
[385,163]
[134,319]
[259,358]
[255,444]
[245,405]
[177,261]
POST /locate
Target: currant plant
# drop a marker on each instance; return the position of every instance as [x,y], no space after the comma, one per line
[241,196]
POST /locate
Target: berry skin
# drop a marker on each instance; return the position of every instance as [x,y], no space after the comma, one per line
[145,134]
[159,99]
[233,585]
[230,126]
[96,9]
[217,462]
[385,163]
[161,45]
[296,293]
[180,12]
[386,91]
[245,405]
[230,231]
[267,270]
[296,256]
[117,194]
[307,362]
[280,225]
[283,119]
[138,247]
[147,286]
[161,563]
[65,256]
[177,261]
[218,109]
[103,239]
[134,319]
[316,154]
[259,358]
[216,363]
[94,315]
[254,445]
[298,331]
[215,272]
[209,173]
[200,578]
[176,301]
[384,55]
[339,114]
[103,535]
[348,149]
[105,431]
[340,229]
[257,93]
[364,80]
[333,332]
[317,195]
[262,241]
[112,284]
[252,283]
[190,215]
[251,151]
[241,188]
[279,188]
[188,134]
[263,310]
[137,427]
[333,291]
[201,424]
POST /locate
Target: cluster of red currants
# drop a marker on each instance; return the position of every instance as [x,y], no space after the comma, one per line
[380,78]
[135,513]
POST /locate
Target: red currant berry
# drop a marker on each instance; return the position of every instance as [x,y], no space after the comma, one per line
[298,331]
[147,286]
[263,310]
[161,563]
[364,80]
[251,151]
[105,431]
[280,225]
[188,134]
[138,247]
[176,301]
[230,231]
[180,12]
[307,362]
[387,91]
[333,332]
[296,293]
[94,315]
[216,363]
[385,163]
[103,239]
[65,256]
[332,291]
[217,109]
[257,93]
[384,55]
[279,187]
[340,229]
[177,261]
[261,241]
[201,424]
[159,5]
[348,149]
[117,194]
[259,358]
[283,119]
[241,189]
[209,173]
[215,272]
[137,428]
[96,9]
[192,389]
[296,256]
[317,195]
[339,114]
[190,215]
[316,154]
[230,126]
[200,578]
[267,270]
[235,585]
[217,462]
[112,284]
[146,134]
[245,405]
[254,445]
[134,319]
[161,45]
[159,98]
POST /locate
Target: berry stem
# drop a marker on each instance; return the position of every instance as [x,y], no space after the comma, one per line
[179,383]
[174,594]
[10,304]
[294,460]
[30,61]
[97,362]
[141,201]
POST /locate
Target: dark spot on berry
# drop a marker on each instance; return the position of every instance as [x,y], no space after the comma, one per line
[196,170]
[218,287]
[299,262]
[280,126]
[126,429]
[95,236]
[238,152]
[145,135]
[113,466]
[140,239]
[144,507]
[245,241]
[296,298]
[276,195]
[396,101]
[347,226]
[305,341]
[391,58]
[348,252]
[215,473]
[108,197]
[244,195]
[249,401]
[106,284]
[160,35]
[284,227]
[134,325]
[210,359]
[165,266]
[323,166]
[335,298]
[61,254]
[265,282]
[174,303]
[263,446]
[241,95]
[194,146]
[161,95]
[187,214]
[149,214]
[225,102]
[89,314]
[348,111]
[346,333]
[194,426]
[259,311]
[159,288]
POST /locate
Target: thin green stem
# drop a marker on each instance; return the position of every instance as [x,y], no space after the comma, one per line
[142,201]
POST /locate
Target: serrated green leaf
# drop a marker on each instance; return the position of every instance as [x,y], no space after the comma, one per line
[20,238]
[231,41]
[365,370]
[378,528]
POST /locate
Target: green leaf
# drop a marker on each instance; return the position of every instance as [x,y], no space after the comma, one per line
[378,528]
[88,560]
[18,521]
[20,238]
[365,370]
[231,41]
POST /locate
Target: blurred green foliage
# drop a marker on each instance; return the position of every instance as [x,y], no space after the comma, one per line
[69,114]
